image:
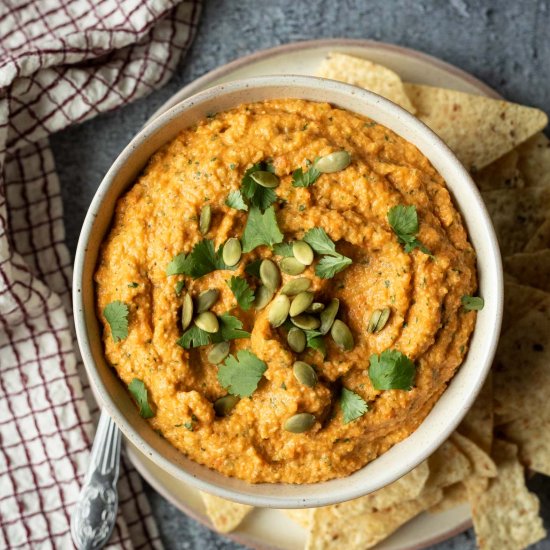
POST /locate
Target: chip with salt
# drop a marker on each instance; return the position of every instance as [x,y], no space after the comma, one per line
[224,514]
[507,514]
[530,268]
[366,74]
[478,129]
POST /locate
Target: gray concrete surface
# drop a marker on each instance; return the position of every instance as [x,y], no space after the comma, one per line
[505,43]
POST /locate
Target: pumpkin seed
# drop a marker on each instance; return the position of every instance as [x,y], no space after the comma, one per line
[299,423]
[341,334]
[315,307]
[265,179]
[187,311]
[306,322]
[333,163]
[296,339]
[302,252]
[205,219]
[270,275]
[224,405]
[207,299]
[301,303]
[232,252]
[378,320]
[291,266]
[278,312]
[305,374]
[295,286]
[208,322]
[262,298]
[218,352]
[328,315]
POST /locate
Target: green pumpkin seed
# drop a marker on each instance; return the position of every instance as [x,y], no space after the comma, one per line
[341,334]
[315,307]
[205,219]
[296,339]
[278,312]
[328,315]
[301,303]
[291,266]
[265,179]
[306,322]
[218,352]
[270,275]
[262,298]
[299,423]
[378,320]
[208,322]
[295,286]
[302,252]
[334,162]
[305,374]
[232,252]
[224,405]
[187,311]
[207,299]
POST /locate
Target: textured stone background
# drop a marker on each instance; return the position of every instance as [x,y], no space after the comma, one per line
[505,43]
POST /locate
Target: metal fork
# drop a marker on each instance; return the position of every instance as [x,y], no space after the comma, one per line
[95,512]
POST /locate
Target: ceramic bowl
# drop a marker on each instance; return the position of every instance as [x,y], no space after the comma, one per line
[450,408]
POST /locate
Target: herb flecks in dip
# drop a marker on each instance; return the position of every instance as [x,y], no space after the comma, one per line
[337,266]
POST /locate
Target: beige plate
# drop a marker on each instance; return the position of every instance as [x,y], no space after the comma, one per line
[265,528]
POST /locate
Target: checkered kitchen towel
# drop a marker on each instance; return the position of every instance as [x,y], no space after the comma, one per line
[61,62]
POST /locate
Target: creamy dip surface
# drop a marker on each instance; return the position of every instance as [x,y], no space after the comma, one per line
[158,219]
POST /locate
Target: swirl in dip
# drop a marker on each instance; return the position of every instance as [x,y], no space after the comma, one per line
[390,265]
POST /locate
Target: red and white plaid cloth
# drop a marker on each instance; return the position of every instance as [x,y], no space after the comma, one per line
[61,62]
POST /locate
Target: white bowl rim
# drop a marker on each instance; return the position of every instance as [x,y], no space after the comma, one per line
[440,150]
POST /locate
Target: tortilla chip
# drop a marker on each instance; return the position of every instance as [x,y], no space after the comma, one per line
[366,74]
[521,371]
[530,268]
[506,515]
[541,239]
[448,465]
[519,300]
[224,514]
[517,215]
[503,173]
[454,495]
[477,425]
[531,437]
[478,129]
[481,462]
[300,516]
[534,160]
[332,531]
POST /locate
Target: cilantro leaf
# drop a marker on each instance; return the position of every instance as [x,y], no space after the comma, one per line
[261,228]
[230,329]
[241,375]
[321,243]
[139,392]
[472,303]
[316,341]
[180,285]
[194,337]
[261,197]
[391,370]
[253,268]
[203,259]
[116,314]
[353,405]
[235,200]
[242,292]
[328,266]
[404,222]
[177,265]
[283,249]
[305,179]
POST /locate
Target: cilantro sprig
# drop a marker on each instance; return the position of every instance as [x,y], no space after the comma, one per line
[261,229]
[283,249]
[391,370]
[305,179]
[258,196]
[231,328]
[332,261]
[404,222]
[201,260]
[241,375]
[116,314]
[139,392]
[353,405]
[235,200]
[242,292]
